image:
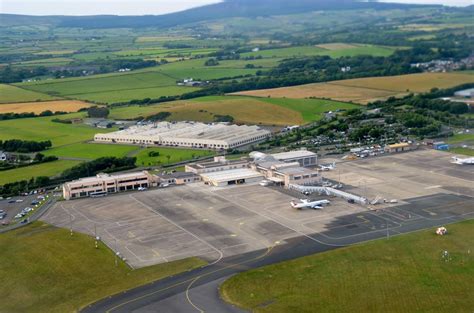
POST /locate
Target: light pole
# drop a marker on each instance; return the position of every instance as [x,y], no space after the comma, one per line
[116,252]
[70,223]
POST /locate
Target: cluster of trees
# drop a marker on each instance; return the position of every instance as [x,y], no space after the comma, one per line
[298,71]
[223,118]
[105,164]
[12,116]
[24,146]
[153,154]
[11,74]
[39,158]
[98,112]
[211,62]
[161,116]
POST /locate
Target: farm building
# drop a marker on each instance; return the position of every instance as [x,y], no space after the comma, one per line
[216,136]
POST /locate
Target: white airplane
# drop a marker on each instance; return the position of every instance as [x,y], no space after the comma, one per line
[329,167]
[466,161]
[305,203]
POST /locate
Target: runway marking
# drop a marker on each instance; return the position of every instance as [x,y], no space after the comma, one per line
[281,224]
[269,249]
[221,255]
[434,187]
[189,299]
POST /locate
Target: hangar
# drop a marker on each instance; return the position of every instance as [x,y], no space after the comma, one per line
[231,177]
[218,136]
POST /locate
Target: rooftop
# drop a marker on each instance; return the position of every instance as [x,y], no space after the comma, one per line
[192,130]
[293,154]
[234,174]
[103,176]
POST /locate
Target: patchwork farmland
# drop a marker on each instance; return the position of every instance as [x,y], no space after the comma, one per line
[365,90]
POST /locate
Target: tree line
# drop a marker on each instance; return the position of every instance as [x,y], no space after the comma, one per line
[101,165]
[24,146]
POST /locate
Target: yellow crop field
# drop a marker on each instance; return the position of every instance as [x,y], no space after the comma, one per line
[365,90]
[38,107]
[244,110]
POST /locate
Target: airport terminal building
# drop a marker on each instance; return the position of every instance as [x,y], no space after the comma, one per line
[103,184]
[216,136]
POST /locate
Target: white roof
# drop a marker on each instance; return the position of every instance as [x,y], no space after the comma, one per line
[235,174]
[293,154]
[191,130]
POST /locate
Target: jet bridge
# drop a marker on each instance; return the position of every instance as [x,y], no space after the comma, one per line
[330,192]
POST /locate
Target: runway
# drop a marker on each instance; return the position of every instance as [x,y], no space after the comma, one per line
[197,290]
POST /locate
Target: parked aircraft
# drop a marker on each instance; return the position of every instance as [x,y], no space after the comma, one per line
[329,167]
[466,161]
[305,203]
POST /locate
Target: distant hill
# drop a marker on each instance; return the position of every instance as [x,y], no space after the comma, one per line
[226,9]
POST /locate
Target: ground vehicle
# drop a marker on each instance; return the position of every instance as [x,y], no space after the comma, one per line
[98,194]
[3,215]
[19,215]
[141,188]
[34,202]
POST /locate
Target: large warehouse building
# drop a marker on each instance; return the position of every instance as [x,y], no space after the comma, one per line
[188,134]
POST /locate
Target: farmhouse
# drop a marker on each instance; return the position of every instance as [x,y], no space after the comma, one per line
[216,136]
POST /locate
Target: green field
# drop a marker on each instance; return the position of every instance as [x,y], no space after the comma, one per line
[313,51]
[462,151]
[310,109]
[91,151]
[404,274]
[461,138]
[42,128]
[45,169]
[196,69]
[152,83]
[176,155]
[44,269]
[11,94]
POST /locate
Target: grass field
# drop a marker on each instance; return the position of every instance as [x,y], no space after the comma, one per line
[45,169]
[42,128]
[332,50]
[38,107]
[462,151]
[310,109]
[365,90]
[196,69]
[176,155]
[45,270]
[461,138]
[91,151]
[403,274]
[249,110]
[10,94]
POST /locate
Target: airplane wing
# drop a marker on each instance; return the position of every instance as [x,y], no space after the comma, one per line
[316,207]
